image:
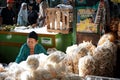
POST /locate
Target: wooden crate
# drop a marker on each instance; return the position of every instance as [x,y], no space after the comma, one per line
[59,20]
[87,37]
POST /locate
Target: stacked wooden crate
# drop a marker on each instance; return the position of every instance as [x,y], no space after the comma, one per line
[59,20]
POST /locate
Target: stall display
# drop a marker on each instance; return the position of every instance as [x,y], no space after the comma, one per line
[92,57]
[85,20]
[91,20]
[59,19]
[11,41]
[76,63]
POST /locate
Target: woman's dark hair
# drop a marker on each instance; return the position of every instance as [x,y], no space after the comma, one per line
[32,17]
[33,35]
[30,4]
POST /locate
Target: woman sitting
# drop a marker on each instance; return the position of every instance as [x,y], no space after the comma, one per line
[30,47]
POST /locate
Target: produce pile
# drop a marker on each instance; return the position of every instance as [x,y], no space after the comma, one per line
[7,27]
[78,62]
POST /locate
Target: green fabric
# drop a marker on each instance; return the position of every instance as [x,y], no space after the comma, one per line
[25,52]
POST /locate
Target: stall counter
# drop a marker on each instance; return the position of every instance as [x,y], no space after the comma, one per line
[10,43]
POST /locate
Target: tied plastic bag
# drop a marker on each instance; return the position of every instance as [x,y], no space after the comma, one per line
[87,66]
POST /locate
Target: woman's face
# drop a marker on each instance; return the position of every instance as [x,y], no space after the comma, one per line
[38,1]
[113,27]
[31,42]
[24,7]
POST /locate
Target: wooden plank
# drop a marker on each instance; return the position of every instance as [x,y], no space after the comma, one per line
[63,20]
[23,34]
[58,19]
[59,31]
[67,22]
[15,44]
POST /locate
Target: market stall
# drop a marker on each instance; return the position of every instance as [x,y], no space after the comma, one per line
[57,33]
[11,41]
[76,63]
[81,49]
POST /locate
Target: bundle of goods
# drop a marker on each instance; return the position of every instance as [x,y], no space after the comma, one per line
[68,60]
[109,49]
[105,55]
[75,52]
[103,60]
[91,60]
[87,66]
[78,62]
[105,37]
[32,69]
[1,68]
